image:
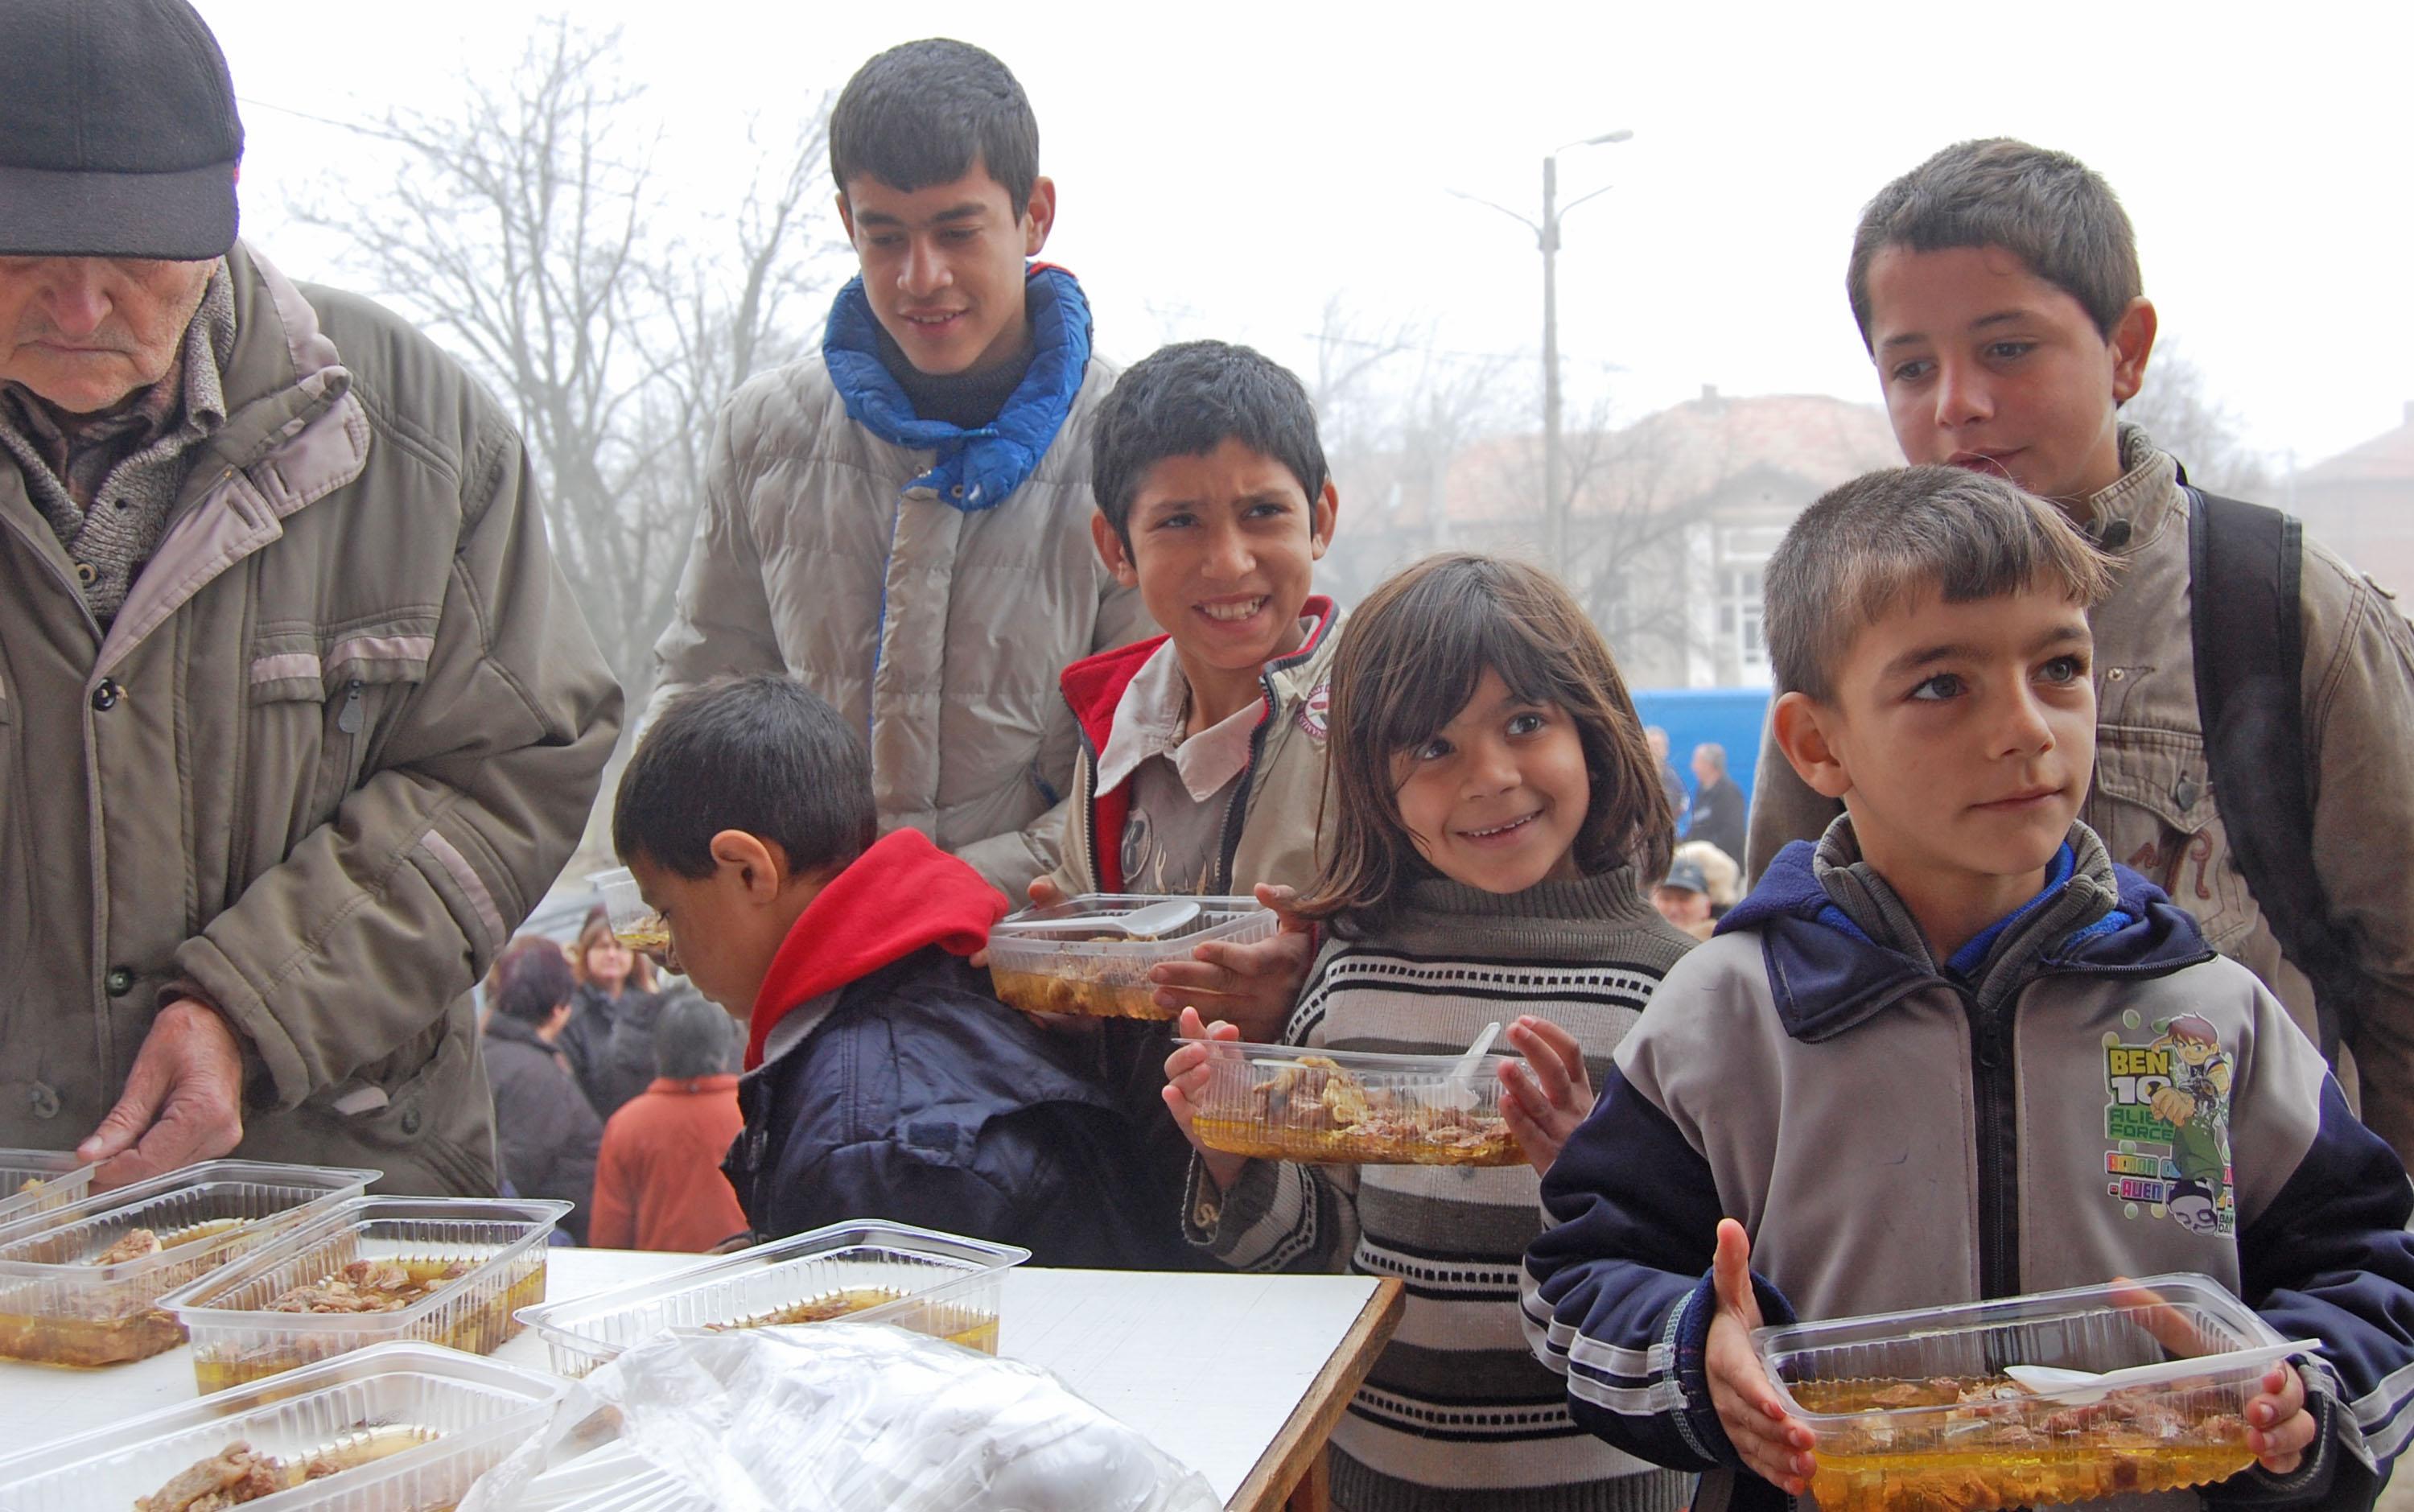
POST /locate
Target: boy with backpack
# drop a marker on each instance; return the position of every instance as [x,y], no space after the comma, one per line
[2250,760]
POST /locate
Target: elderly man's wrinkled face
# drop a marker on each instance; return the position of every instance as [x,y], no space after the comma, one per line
[86,333]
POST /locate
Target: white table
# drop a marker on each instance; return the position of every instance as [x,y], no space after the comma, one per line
[1239,1377]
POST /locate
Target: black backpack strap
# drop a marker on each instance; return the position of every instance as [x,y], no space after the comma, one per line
[2245,564]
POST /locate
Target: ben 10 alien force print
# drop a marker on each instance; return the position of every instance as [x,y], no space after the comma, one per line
[2167,1121]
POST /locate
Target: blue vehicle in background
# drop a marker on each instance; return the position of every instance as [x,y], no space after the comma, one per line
[1730,717]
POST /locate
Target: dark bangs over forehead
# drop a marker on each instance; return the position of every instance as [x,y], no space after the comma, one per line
[1468,615]
[1409,661]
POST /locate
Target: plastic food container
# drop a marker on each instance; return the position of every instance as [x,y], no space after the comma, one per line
[1040,963]
[448,1417]
[1282,1103]
[40,1181]
[1913,1408]
[639,928]
[484,1259]
[67,1298]
[940,1284]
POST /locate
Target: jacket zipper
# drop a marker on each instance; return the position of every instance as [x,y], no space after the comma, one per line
[1995,1105]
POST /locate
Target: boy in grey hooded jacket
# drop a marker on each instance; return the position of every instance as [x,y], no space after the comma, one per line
[1953,1052]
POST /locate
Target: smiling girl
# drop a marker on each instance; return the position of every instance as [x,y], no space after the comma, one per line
[1495,805]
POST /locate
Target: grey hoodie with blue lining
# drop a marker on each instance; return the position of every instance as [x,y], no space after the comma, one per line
[1893,1133]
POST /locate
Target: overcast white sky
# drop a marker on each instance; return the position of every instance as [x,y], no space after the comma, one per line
[1240,162]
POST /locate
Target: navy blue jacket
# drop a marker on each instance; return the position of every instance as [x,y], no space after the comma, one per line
[922,1099]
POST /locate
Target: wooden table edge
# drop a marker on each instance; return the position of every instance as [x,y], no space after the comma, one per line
[1295,1448]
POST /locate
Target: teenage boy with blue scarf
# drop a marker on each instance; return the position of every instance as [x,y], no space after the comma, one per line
[902,520]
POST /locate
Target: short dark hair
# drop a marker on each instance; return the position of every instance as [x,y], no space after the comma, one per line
[760,754]
[1408,662]
[1902,532]
[1187,399]
[2049,209]
[691,1038]
[926,113]
[530,978]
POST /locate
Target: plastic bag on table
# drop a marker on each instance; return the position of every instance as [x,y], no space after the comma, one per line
[846,1418]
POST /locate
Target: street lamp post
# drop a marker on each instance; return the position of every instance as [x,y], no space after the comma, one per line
[1546,236]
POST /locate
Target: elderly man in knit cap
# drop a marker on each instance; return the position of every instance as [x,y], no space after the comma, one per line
[297,718]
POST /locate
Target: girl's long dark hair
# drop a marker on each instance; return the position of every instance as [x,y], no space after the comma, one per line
[1410,657]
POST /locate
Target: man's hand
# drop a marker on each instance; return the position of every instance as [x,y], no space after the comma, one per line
[182,1100]
[1185,1081]
[1252,986]
[1774,1446]
[1044,894]
[1544,1099]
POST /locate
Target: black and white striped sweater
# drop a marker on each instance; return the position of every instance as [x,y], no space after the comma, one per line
[1458,1413]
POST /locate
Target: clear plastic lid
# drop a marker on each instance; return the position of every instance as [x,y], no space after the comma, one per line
[941,1284]
[40,1181]
[639,927]
[459,1268]
[416,1423]
[1914,1409]
[1284,1102]
[1046,961]
[81,1285]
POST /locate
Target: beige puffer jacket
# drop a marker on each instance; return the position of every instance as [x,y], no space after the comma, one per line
[936,632]
[339,740]
[2154,802]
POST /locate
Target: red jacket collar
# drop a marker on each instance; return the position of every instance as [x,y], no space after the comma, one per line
[901,895]
[1094,686]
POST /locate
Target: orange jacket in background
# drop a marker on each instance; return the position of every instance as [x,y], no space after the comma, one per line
[658,1181]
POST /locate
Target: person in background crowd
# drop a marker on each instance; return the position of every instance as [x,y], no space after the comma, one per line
[547,1131]
[610,1040]
[1671,786]
[902,520]
[1720,871]
[1998,293]
[297,716]
[1718,815]
[658,1181]
[1683,898]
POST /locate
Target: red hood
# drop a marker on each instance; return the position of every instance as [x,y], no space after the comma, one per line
[899,896]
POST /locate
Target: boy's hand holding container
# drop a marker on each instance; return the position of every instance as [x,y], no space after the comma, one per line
[1255,984]
[1772,1445]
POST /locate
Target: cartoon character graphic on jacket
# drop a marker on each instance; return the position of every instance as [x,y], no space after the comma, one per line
[2167,1119]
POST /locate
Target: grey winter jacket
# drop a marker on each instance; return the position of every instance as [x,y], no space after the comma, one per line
[2154,802]
[2086,1091]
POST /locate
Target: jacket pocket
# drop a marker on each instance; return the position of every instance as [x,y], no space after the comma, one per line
[2154,805]
[317,718]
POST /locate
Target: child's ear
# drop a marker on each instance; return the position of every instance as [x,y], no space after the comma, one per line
[1796,725]
[2133,343]
[1111,549]
[757,869]
[1328,507]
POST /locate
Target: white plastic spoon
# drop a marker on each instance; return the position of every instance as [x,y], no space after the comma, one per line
[1458,1088]
[2081,1386]
[1154,921]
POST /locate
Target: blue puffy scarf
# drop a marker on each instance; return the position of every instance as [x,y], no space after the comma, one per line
[975,470]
